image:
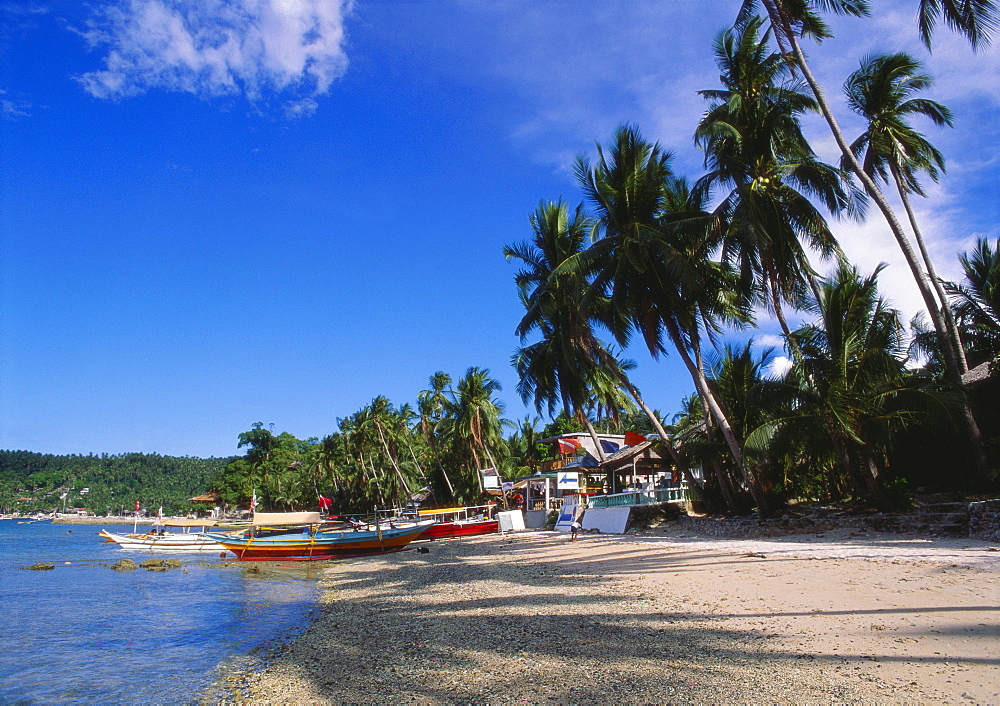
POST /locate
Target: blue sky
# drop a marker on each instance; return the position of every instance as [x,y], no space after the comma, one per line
[216,213]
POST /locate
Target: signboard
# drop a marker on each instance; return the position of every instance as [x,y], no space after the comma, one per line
[567,513]
[507,486]
[490,478]
[568,480]
[510,521]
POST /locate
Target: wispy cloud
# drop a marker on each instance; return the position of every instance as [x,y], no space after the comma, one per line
[219,47]
[11,109]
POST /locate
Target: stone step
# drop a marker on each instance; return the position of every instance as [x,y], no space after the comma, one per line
[942,507]
[945,518]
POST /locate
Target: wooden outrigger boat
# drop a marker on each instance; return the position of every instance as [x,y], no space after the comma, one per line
[158,538]
[303,536]
[458,522]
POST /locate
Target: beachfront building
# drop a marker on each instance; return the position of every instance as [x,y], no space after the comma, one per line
[629,471]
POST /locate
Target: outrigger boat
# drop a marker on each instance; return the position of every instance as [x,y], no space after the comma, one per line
[303,536]
[158,538]
[458,522]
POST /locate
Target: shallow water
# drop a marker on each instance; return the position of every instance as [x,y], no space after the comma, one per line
[82,633]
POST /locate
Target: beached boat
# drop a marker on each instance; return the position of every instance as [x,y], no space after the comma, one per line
[458,522]
[303,536]
[159,538]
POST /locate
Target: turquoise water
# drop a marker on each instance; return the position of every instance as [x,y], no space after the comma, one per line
[83,633]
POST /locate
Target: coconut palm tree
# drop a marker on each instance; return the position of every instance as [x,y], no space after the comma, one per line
[882,91]
[558,368]
[651,259]
[755,149]
[977,300]
[431,406]
[852,377]
[976,19]
[570,365]
[792,19]
[475,421]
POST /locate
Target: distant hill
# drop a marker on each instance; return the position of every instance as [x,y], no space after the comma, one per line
[106,483]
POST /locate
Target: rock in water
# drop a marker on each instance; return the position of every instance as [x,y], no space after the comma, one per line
[125,565]
[40,566]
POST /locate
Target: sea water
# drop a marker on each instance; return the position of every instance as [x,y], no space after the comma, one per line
[84,633]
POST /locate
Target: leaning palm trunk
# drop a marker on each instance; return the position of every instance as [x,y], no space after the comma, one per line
[633,391]
[953,371]
[701,384]
[949,319]
[593,434]
[404,485]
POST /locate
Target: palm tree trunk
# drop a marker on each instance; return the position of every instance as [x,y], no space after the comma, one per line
[701,384]
[633,391]
[392,460]
[949,319]
[593,435]
[953,373]
[434,450]
[479,476]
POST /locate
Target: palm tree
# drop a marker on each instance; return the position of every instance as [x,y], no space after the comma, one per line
[793,19]
[852,378]
[976,19]
[431,405]
[754,147]
[558,368]
[475,422]
[977,300]
[881,92]
[570,365]
[651,259]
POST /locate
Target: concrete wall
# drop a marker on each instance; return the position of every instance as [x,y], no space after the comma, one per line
[608,520]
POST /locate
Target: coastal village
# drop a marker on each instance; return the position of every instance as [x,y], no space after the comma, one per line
[512,352]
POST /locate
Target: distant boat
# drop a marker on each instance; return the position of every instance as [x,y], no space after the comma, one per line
[303,536]
[458,522]
[158,538]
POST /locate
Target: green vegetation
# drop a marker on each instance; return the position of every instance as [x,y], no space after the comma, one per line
[33,482]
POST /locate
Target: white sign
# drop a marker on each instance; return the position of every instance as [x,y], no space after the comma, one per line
[567,513]
[510,521]
[507,486]
[568,480]
[490,478]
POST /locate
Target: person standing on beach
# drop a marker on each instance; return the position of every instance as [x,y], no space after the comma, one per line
[574,529]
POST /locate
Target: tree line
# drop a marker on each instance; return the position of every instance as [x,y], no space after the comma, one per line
[35,482]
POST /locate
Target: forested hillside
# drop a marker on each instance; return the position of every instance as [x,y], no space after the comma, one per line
[103,484]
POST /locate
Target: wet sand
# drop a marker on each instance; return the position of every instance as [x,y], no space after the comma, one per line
[660,617]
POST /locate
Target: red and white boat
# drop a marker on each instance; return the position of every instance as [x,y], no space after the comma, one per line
[458,522]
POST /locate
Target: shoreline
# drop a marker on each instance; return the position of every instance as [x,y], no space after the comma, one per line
[658,616]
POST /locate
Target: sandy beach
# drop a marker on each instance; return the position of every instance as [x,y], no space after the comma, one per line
[654,618]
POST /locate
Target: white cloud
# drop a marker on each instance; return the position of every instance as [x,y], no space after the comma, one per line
[770,340]
[12,109]
[219,47]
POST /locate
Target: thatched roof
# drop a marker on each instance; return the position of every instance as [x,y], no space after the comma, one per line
[209,497]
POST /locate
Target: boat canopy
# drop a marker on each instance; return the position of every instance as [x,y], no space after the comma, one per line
[186,522]
[286,518]
[441,511]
